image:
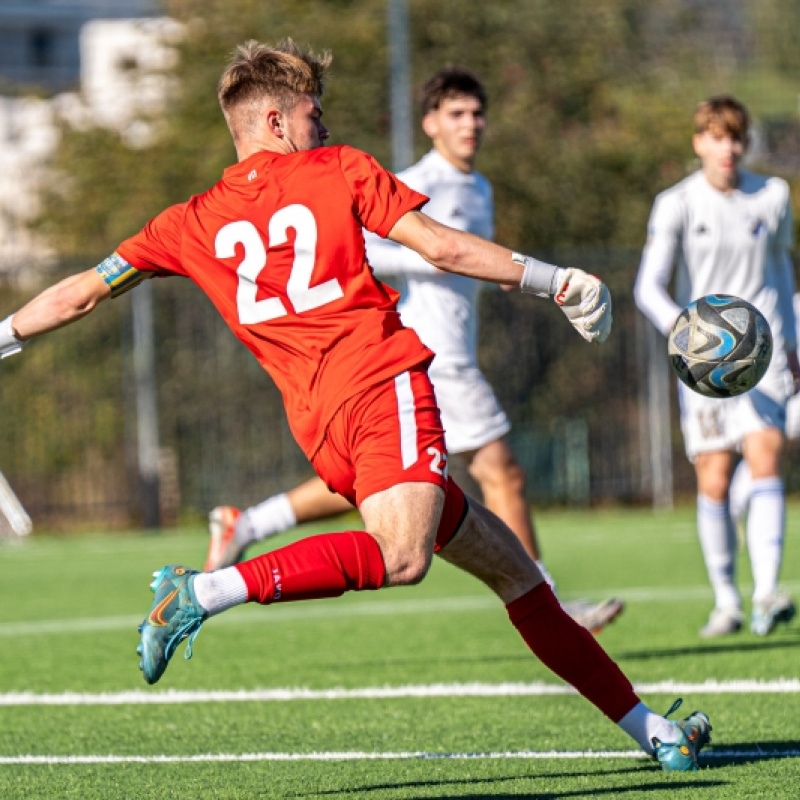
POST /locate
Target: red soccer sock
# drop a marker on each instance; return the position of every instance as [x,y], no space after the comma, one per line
[320,566]
[571,652]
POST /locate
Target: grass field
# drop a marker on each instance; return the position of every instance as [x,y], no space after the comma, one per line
[424,692]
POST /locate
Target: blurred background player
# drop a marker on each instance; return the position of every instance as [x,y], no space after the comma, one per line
[742,482]
[730,232]
[442,308]
[352,377]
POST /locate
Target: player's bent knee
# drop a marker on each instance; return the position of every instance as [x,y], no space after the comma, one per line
[407,568]
[714,489]
[713,477]
[501,472]
[414,573]
[515,476]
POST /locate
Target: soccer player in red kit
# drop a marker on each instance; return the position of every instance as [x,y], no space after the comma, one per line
[278,247]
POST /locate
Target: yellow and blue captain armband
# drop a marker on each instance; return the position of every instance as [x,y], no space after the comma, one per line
[119,275]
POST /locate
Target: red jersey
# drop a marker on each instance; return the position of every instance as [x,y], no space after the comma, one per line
[278,247]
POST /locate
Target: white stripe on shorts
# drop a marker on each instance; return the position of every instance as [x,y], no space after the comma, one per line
[408,421]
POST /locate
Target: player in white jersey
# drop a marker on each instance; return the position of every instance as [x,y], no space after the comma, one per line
[793,409]
[443,311]
[741,489]
[730,231]
[442,308]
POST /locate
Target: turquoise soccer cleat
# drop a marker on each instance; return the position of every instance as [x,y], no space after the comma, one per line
[174,616]
[694,733]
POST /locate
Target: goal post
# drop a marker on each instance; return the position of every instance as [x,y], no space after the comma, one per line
[14,519]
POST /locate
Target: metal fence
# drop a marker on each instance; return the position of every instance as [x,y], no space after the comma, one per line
[583,416]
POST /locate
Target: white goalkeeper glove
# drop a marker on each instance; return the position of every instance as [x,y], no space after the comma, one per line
[9,343]
[584,298]
[586,301]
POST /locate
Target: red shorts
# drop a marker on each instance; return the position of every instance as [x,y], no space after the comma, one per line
[388,434]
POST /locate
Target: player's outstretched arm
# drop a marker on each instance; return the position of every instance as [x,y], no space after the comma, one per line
[584,298]
[650,293]
[58,305]
[389,258]
[456,251]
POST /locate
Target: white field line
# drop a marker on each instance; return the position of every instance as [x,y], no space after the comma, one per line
[143,697]
[250,615]
[324,610]
[298,612]
[362,756]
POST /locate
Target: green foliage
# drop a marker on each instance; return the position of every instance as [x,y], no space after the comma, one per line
[64,419]
[589,117]
[776,26]
[107,190]
[590,107]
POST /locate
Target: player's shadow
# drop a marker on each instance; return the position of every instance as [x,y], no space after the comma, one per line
[742,753]
[784,642]
[610,791]
[613,791]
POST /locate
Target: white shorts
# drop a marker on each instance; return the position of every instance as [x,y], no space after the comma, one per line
[471,415]
[793,417]
[710,424]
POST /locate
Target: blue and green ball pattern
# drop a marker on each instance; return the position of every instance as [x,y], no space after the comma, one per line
[720,346]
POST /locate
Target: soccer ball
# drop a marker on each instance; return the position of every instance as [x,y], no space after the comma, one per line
[720,346]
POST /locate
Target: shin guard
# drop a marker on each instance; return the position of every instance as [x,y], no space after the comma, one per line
[327,565]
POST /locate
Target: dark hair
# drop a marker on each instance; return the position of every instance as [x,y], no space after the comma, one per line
[448,83]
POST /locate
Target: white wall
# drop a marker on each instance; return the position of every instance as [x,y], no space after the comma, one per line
[124,84]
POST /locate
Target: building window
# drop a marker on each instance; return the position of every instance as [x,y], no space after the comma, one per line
[41,41]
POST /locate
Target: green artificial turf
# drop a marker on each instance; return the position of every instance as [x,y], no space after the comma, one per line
[68,617]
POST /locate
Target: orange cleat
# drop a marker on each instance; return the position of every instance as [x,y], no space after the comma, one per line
[223,549]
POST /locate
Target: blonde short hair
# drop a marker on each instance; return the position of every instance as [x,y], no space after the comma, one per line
[283,72]
[722,113]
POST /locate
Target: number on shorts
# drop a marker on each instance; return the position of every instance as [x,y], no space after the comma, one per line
[711,423]
[438,461]
[303,296]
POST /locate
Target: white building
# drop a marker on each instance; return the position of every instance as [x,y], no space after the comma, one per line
[40,39]
[118,70]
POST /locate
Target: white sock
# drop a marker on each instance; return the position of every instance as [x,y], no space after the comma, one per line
[220,590]
[718,542]
[269,518]
[765,528]
[642,724]
[549,580]
[739,491]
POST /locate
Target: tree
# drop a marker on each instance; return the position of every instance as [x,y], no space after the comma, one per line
[589,117]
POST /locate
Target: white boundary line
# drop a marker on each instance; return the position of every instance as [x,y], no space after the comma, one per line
[362,756]
[277,613]
[137,697]
[788,686]
[293,612]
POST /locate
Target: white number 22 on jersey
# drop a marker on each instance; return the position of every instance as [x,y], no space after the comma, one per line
[303,296]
